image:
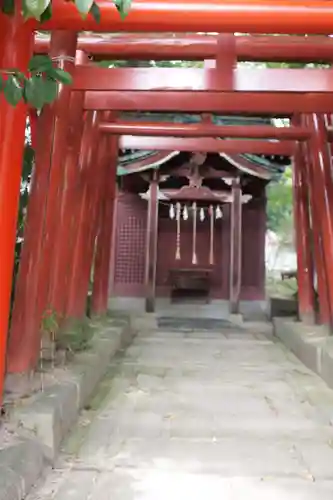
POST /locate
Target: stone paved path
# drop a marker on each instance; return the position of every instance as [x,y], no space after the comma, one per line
[201,416]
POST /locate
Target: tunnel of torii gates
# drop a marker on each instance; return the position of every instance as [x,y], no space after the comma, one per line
[68,228]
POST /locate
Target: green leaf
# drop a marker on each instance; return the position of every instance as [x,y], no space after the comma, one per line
[34,91]
[13,91]
[47,14]
[84,6]
[50,90]
[123,7]
[60,75]
[35,8]
[8,7]
[2,83]
[40,63]
[95,11]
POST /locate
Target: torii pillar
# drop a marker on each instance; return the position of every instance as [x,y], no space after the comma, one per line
[16,48]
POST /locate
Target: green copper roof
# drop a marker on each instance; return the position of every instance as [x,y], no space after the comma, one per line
[129,157]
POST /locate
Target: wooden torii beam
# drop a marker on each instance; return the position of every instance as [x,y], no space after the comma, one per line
[249,91]
[241,103]
[164,129]
[250,16]
[164,80]
[207,144]
[200,47]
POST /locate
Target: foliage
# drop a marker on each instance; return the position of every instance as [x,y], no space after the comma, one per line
[42,9]
[38,87]
[281,288]
[279,205]
[75,336]
[39,84]
[50,322]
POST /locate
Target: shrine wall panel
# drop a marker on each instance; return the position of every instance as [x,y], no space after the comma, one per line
[130,246]
[253,252]
[166,260]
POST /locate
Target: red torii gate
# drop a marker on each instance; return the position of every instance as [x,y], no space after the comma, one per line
[200,47]
[58,251]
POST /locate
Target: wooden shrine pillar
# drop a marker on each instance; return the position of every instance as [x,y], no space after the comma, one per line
[88,179]
[303,239]
[55,247]
[94,202]
[235,276]
[16,48]
[68,204]
[320,163]
[103,251]
[38,255]
[113,256]
[151,244]
[317,244]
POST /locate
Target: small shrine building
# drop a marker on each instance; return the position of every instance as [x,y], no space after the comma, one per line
[190,227]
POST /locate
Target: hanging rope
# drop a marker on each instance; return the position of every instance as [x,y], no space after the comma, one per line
[194,253]
[178,217]
[211,245]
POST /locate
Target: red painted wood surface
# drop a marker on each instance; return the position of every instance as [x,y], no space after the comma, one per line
[321,177]
[318,256]
[92,214]
[50,284]
[16,44]
[131,250]
[200,47]
[94,208]
[166,260]
[24,314]
[64,243]
[130,246]
[253,270]
[102,161]
[207,144]
[255,103]
[85,221]
[165,129]
[205,80]
[103,252]
[269,16]
[305,91]
[226,59]
[38,259]
[63,173]
[113,256]
[303,240]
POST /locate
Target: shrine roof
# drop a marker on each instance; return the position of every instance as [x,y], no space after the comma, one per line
[133,161]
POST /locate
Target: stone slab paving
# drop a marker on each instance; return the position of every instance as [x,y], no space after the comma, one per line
[213,415]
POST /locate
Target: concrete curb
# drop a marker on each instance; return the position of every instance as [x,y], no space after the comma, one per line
[311,344]
[47,418]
